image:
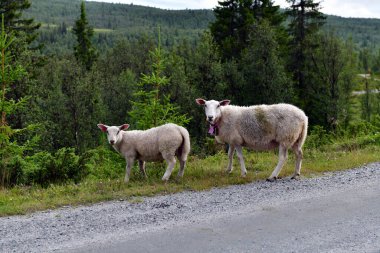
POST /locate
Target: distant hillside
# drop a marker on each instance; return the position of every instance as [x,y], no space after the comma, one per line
[113,22]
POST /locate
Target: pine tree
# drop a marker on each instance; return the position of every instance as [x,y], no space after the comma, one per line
[306,20]
[234,19]
[151,107]
[265,79]
[84,52]
[9,73]
[24,29]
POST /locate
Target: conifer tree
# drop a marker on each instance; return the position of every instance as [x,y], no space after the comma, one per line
[234,19]
[84,52]
[22,27]
[305,22]
[151,107]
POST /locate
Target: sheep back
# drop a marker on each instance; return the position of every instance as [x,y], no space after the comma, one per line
[153,144]
[263,126]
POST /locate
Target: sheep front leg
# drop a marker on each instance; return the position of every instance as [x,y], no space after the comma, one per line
[142,168]
[171,163]
[130,162]
[239,152]
[231,152]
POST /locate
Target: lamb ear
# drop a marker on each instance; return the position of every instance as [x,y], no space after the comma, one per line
[103,127]
[124,127]
[200,101]
[224,102]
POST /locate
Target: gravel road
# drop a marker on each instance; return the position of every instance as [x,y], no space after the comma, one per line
[94,228]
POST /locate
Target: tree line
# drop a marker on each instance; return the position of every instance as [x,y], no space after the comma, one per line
[252,53]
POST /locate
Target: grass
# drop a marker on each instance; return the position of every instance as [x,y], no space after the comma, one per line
[200,174]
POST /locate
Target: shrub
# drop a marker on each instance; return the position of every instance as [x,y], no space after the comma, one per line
[43,168]
[318,137]
[102,163]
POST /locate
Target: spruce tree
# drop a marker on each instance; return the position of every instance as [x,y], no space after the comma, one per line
[305,22]
[84,52]
[234,19]
[25,29]
[151,107]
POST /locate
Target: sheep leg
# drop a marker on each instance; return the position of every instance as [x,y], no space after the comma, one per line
[231,151]
[299,156]
[239,152]
[282,156]
[181,168]
[171,163]
[142,168]
[130,162]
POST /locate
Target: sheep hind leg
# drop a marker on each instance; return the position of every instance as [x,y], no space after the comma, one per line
[171,163]
[142,168]
[299,156]
[231,152]
[239,152]
[282,156]
[181,168]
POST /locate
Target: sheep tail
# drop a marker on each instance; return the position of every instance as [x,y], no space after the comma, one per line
[185,147]
[302,137]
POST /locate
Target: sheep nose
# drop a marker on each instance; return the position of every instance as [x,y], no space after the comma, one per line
[112,142]
[210,118]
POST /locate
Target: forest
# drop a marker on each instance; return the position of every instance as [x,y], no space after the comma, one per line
[69,66]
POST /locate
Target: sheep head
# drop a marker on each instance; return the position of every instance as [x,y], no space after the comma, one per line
[113,132]
[212,108]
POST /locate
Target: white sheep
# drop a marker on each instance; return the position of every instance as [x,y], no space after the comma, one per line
[155,144]
[260,127]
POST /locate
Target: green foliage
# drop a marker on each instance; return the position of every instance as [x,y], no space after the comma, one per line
[10,151]
[265,79]
[318,137]
[83,50]
[44,168]
[151,108]
[103,163]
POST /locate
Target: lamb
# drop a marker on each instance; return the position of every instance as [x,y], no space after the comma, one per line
[260,127]
[155,144]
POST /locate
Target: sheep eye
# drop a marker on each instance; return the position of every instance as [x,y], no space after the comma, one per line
[205,106]
[218,106]
[118,132]
[107,131]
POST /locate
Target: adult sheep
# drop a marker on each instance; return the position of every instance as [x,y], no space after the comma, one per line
[155,144]
[260,127]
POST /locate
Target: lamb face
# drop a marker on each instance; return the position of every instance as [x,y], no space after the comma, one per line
[113,132]
[212,109]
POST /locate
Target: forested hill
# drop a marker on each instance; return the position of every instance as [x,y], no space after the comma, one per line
[128,21]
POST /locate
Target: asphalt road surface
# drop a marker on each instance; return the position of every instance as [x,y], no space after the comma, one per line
[338,212]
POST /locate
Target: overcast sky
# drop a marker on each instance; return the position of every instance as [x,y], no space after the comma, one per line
[344,8]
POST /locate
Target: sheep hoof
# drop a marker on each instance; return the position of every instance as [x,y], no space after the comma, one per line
[271,179]
[296,177]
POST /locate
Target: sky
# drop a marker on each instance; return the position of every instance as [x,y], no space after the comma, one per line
[343,8]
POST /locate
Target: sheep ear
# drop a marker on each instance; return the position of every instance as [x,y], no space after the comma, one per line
[103,127]
[200,101]
[124,127]
[224,102]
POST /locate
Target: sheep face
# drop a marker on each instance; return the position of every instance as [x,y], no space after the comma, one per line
[212,109]
[113,132]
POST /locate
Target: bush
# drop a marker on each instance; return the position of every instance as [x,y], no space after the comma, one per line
[102,163]
[318,137]
[43,168]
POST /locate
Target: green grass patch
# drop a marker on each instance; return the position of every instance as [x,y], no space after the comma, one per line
[200,174]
